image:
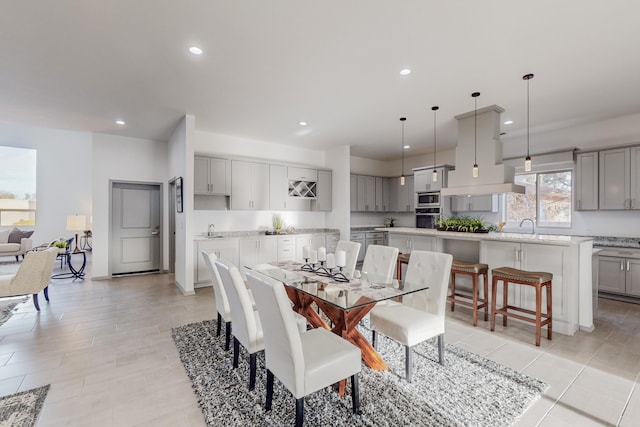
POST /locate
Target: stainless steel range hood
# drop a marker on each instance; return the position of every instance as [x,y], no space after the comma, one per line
[494,177]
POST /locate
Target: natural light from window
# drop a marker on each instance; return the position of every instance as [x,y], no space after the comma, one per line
[547,200]
[17,186]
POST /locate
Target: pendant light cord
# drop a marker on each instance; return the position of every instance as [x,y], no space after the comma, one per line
[435,109]
[528,103]
[402,120]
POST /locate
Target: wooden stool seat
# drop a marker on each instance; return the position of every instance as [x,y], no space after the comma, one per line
[474,270]
[402,259]
[537,279]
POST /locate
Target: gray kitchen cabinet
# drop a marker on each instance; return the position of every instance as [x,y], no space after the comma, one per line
[353,192]
[586,188]
[485,203]
[408,242]
[257,250]
[212,176]
[359,237]
[619,272]
[615,179]
[393,194]
[373,238]
[385,194]
[278,192]
[366,193]
[423,179]
[634,154]
[405,195]
[227,248]
[249,185]
[286,248]
[379,203]
[323,201]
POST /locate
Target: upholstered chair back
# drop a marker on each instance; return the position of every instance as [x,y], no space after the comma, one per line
[222,303]
[282,344]
[379,263]
[34,273]
[432,269]
[246,324]
[351,249]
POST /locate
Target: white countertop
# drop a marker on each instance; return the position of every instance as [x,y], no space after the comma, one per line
[506,237]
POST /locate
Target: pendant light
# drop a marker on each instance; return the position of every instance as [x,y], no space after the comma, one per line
[475,96]
[434,174]
[527,160]
[402,177]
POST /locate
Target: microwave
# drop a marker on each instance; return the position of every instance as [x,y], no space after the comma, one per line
[427,199]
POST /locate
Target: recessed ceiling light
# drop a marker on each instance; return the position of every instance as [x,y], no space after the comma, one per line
[195,50]
[120,122]
[303,123]
[508,122]
[405,71]
[406,147]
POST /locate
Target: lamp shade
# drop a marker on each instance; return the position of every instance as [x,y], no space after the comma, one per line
[76,222]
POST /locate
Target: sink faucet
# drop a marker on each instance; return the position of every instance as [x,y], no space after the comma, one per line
[533,225]
[211,229]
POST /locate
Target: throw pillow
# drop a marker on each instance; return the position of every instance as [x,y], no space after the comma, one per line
[17,235]
[4,236]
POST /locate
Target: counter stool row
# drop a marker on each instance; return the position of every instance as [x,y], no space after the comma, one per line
[538,280]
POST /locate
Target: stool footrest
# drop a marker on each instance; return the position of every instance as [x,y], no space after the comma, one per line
[454,298]
[503,311]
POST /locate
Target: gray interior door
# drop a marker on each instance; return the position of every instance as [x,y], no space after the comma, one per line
[135,228]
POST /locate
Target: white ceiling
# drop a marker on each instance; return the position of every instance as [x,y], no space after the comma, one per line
[269,64]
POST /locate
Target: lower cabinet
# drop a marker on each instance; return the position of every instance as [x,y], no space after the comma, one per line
[619,272]
[286,248]
[257,250]
[223,248]
[314,241]
[408,242]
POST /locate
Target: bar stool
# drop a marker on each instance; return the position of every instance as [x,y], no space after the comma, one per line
[474,270]
[402,259]
[536,279]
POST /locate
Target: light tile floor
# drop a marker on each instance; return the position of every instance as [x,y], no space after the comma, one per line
[106,349]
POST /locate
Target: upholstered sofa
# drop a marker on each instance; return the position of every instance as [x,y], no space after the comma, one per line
[13,248]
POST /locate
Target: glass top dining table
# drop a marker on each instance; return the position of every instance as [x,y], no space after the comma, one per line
[343,303]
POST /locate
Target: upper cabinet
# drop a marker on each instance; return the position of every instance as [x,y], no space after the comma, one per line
[323,201]
[619,180]
[586,191]
[212,176]
[404,193]
[278,192]
[353,192]
[486,203]
[249,185]
[423,179]
[378,194]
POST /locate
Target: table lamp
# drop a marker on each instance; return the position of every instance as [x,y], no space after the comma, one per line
[76,223]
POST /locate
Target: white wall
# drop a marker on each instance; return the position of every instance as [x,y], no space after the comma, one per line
[117,158]
[63,176]
[339,217]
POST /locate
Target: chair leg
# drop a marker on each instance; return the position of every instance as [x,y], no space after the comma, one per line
[549,311]
[236,352]
[475,299]
[486,296]
[408,362]
[46,293]
[18,258]
[219,325]
[355,394]
[374,340]
[453,291]
[228,336]
[299,411]
[494,292]
[35,302]
[441,349]
[252,371]
[267,405]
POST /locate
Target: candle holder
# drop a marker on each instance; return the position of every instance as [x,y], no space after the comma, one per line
[307,266]
[339,276]
[322,270]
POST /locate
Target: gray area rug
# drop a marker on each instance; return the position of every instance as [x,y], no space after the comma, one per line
[22,409]
[469,391]
[7,306]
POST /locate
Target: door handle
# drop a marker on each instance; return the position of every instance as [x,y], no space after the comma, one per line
[628,265]
[155,233]
[621,265]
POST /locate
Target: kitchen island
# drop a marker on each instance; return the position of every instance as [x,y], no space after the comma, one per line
[568,258]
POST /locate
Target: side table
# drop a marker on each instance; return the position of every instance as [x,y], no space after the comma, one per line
[74,273]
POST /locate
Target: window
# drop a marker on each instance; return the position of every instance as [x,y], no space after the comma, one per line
[17,186]
[547,200]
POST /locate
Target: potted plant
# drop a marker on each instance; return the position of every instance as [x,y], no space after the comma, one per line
[61,245]
[278,223]
[389,222]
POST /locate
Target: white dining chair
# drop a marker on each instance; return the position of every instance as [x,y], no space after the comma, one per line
[421,315]
[304,363]
[379,263]
[247,328]
[351,249]
[220,296]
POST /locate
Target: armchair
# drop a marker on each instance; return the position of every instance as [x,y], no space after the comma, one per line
[33,276]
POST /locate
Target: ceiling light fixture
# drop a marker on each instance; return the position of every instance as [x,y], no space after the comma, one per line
[121,122]
[402,177]
[405,72]
[475,96]
[508,122]
[434,174]
[303,123]
[195,50]
[527,160]
[406,147]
